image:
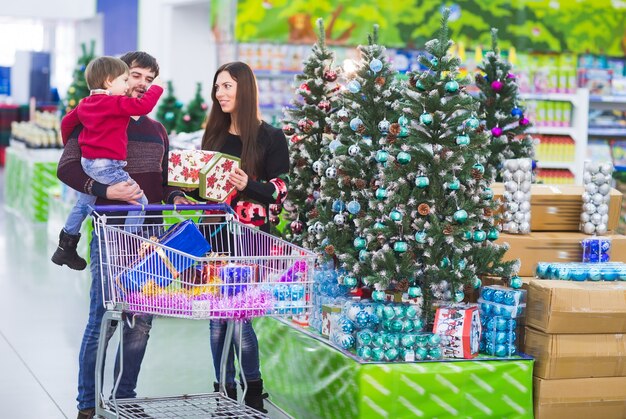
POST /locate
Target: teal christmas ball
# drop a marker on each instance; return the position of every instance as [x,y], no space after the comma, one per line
[349,281]
[400,246]
[420,237]
[445,262]
[493,234]
[454,185]
[362,255]
[355,123]
[414,292]
[169,116]
[426,118]
[359,243]
[434,61]
[404,132]
[516,282]
[459,296]
[395,215]
[403,121]
[452,86]
[460,216]
[378,225]
[422,182]
[467,235]
[479,167]
[419,85]
[382,156]
[476,283]
[403,157]
[472,122]
[462,140]
[487,193]
[378,295]
[480,236]
[381,194]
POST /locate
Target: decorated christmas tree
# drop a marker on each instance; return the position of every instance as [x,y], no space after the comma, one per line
[500,106]
[79,89]
[365,126]
[193,116]
[431,232]
[169,109]
[306,125]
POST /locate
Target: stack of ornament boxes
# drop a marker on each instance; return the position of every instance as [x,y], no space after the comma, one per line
[573,329]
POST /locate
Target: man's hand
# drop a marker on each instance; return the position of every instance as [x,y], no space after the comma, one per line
[182,200]
[128,191]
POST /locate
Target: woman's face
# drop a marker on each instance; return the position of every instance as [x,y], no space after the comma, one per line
[226,92]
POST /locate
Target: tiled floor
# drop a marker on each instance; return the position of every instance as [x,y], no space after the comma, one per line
[43,310]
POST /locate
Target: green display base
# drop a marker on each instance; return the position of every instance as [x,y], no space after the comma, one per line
[309,378]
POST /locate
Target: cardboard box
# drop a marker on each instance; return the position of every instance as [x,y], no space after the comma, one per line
[576,307]
[183,167]
[558,207]
[459,328]
[328,312]
[582,398]
[214,177]
[576,356]
[553,247]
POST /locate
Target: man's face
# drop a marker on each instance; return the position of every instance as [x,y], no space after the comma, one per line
[139,80]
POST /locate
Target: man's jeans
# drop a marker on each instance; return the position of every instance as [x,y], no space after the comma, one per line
[249,362]
[135,341]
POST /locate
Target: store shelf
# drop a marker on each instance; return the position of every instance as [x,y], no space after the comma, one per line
[552,131]
[607,132]
[607,99]
[571,166]
[560,97]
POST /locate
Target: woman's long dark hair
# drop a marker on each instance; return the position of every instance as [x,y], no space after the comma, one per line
[246,117]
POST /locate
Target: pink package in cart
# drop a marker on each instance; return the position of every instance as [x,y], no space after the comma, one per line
[183,167]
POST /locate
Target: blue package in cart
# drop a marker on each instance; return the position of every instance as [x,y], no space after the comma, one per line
[159,263]
[235,278]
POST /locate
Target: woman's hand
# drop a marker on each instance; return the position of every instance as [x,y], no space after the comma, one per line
[239,178]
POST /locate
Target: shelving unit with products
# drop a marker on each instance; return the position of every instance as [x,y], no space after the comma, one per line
[607,129]
[560,124]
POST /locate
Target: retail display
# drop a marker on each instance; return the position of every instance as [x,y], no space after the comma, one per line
[41,132]
[517,177]
[595,210]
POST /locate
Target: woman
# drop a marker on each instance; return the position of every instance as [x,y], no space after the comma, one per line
[234,127]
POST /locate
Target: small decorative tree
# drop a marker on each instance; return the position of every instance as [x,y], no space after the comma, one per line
[500,106]
[193,116]
[79,89]
[169,109]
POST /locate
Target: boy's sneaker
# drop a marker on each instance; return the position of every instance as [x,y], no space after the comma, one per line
[66,252]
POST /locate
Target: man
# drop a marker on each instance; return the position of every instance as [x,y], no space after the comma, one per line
[147,165]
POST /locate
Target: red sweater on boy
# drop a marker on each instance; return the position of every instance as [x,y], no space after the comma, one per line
[105,119]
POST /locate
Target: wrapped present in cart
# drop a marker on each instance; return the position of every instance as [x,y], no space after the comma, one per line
[205,265]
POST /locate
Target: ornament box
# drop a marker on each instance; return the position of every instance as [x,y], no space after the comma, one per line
[553,247]
[214,183]
[330,312]
[559,356]
[459,328]
[582,398]
[558,207]
[183,167]
[576,307]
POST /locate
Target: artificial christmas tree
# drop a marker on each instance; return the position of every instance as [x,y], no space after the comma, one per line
[79,89]
[305,126]
[500,106]
[192,118]
[365,126]
[169,109]
[432,232]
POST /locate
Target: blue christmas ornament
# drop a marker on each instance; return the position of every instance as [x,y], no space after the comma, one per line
[517,112]
[376,65]
[334,144]
[516,282]
[355,123]
[362,319]
[354,86]
[364,352]
[353,207]
[338,205]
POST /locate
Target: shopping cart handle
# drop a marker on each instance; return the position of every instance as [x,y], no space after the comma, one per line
[169,207]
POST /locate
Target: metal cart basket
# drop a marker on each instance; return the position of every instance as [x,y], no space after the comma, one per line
[201,263]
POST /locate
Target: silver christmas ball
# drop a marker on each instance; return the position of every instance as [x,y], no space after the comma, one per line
[586,197]
[528,176]
[512,227]
[591,188]
[601,229]
[512,165]
[519,176]
[511,186]
[508,216]
[518,217]
[311,230]
[596,218]
[354,150]
[589,207]
[519,196]
[602,209]
[318,167]
[508,196]
[525,186]
[527,217]
[524,206]
[606,168]
[512,206]
[604,189]
[339,219]
[587,177]
[507,175]
[599,179]
[605,219]
[597,198]
[589,228]
[592,167]
[585,217]
[524,228]
[319,227]
[525,165]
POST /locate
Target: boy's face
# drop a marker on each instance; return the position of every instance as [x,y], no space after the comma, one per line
[139,80]
[119,85]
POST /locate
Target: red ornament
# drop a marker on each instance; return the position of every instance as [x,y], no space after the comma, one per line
[497,85]
[330,75]
[296,227]
[305,87]
[275,209]
[324,105]
[274,219]
[288,129]
[305,125]
[295,139]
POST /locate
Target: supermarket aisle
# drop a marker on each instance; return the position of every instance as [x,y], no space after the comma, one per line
[43,310]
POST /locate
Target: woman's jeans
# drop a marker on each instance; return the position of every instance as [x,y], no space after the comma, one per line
[135,341]
[249,362]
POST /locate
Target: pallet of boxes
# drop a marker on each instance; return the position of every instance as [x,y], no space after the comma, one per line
[576,311]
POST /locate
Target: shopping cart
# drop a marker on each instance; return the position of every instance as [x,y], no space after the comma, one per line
[200,264]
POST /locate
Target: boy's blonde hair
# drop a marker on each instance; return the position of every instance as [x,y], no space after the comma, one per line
[101,69]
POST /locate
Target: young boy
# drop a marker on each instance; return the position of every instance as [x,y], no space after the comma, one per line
[104,115]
